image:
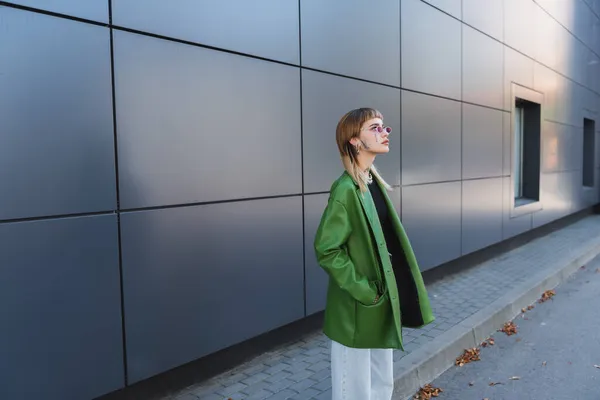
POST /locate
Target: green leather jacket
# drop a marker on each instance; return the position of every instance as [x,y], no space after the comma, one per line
[350,246]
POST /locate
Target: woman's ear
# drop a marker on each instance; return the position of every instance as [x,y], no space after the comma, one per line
[354,141]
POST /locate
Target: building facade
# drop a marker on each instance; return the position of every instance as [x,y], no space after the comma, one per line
[164,164]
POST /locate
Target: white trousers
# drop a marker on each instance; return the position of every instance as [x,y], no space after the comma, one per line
[361,374]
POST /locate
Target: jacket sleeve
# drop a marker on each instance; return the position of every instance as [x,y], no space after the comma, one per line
[332,254]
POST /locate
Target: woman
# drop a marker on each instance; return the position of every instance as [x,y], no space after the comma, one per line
[375,285]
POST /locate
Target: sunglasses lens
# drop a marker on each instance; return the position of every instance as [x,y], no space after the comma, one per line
[388,129]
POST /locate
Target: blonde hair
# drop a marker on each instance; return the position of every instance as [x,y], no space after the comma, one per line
[347,128]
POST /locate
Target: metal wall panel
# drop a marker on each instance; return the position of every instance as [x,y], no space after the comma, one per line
[61,334]
[316,278]
[481,214]
[198,279]
[264,28]
[56,147]
[506,143]
[552,41]
[482,69]
[96,10]
[325,99]
[512,226]
[555,147]
[555,198]
[486,16]
[519,31]
[341,37]
[192,127]
[482,141]
[546,81]
[452,7]
[431,50]
[517,69]
[431,139]
[431,215]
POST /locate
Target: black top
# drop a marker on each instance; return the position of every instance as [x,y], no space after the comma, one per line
[407,288]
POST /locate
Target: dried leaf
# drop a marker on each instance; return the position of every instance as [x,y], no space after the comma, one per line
[488,341]
[544,364]
[523,310]
[531,307]
[509,328]
[468,356]
[547,295]
[514,378]
[597,366]
[495,383]
[471,383]
[427,392]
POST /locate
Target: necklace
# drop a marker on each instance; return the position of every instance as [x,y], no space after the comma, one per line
[369,178]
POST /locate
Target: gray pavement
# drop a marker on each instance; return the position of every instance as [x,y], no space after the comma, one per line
[468,306]
[553,353]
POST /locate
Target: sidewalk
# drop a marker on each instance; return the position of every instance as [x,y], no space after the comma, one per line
[468,306]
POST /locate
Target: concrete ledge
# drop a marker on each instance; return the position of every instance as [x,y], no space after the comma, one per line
[429,361]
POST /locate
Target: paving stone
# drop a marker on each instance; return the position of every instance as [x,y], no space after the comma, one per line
[300,375]
[283,395]
[251,380]
[257,387]
[262,395]
[236,387]
[278,376]
[324,396]
[307,394]
[302,385]
[278,386]
[319,366]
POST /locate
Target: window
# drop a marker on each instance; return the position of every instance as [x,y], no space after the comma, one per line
[589,147]
[526,151]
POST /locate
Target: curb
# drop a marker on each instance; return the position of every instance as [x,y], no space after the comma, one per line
[428,362]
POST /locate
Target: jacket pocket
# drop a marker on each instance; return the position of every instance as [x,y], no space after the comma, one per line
[375,324]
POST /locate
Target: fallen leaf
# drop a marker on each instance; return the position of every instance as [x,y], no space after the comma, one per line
[544,364]
[495,383]
[547,295]
[491,342]
[531,307]
[582,267]
[487,342]
[509,328]
[427,392]
[471,383]
[523,310]
[468,356]
[514,378]
[597,366]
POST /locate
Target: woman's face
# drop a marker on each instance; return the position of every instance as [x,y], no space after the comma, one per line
[374,137]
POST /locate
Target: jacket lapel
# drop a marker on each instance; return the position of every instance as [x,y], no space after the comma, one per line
[367,207]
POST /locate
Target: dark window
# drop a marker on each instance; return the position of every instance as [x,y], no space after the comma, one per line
[526,141]
[589,149]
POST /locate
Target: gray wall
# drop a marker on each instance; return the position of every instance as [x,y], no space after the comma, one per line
[189,227]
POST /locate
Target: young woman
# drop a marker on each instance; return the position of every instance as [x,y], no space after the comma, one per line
[375,285]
